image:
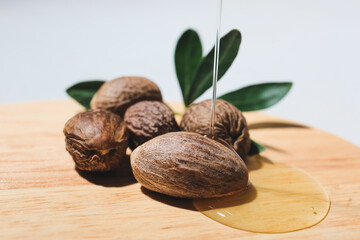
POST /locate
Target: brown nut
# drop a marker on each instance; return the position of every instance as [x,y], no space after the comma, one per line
[188,165]
[230,124]
[148,119]
[118,94]
[96,140]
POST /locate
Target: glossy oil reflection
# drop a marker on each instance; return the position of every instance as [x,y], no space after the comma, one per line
[279,199]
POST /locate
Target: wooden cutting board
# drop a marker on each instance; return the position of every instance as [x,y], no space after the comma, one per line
[43,197]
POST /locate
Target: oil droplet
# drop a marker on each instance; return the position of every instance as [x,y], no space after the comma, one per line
[279,199]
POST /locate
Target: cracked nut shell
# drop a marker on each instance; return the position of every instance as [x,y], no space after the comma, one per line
[118,94]
[148,119]
[188,165]
[96,140]
[230,124]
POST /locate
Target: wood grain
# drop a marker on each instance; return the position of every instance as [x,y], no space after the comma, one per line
[43,197]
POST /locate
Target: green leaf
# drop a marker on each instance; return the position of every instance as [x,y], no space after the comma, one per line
[256,148]
[259,96]
[188,56]
[84,91]
[229,47]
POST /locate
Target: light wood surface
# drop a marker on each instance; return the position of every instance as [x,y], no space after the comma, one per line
[43,197]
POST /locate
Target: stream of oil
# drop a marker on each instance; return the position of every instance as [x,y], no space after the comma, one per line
[279,198]
[215,69]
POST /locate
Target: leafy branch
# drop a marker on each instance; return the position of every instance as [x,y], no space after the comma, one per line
[194,72]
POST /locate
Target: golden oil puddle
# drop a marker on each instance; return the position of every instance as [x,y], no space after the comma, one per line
[279,199]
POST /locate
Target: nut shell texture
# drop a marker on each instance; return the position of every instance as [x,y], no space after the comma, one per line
[188,165]
[230,124]
[96,140]
[148,119]
[118,94]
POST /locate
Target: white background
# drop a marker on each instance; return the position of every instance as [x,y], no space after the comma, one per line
[46,46]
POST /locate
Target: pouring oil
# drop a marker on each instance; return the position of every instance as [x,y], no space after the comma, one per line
[215,69]
[279,199]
